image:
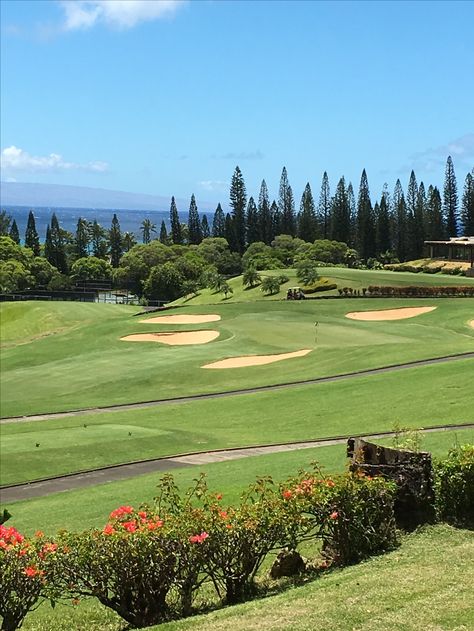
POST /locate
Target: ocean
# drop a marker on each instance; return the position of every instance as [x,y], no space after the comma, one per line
[130,220]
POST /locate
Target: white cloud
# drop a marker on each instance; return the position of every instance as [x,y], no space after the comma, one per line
[119,14]
[213,185]
[431,160]
[16,159]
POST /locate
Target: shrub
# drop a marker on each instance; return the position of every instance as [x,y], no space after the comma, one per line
[454,486]
[270,285]
[322,285]
[25,568]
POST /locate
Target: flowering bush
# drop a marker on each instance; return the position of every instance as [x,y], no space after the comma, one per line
[454,486]
[129,566]
[352,514]
[24,572]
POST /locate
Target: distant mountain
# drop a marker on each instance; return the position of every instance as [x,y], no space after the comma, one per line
[59,195]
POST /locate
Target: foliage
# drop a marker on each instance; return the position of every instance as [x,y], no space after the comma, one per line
[250,277]
[323,284]
[270,285]
[14,276]
[91,268]
[307,273]
[165,282]
[454,486]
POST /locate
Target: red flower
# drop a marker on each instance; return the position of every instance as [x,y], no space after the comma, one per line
[121,511]
[153,525]
[198,538]
[223,514]
[130,526]
[30,571]
[330,483]
[39,534]
[109,530]
[142,514]
[219,497]
[334,515]
[287,494]
[50,547]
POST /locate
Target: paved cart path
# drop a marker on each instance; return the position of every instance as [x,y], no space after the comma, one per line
[114,473]
[232,393]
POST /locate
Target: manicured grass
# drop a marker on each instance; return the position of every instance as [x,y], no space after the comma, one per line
[76,510]
[425,584]
[343,277]
[415,397]
[85,364]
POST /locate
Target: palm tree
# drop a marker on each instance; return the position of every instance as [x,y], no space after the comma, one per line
[147,227]
[307,273]
[128,241]
[270,285]
[251,277]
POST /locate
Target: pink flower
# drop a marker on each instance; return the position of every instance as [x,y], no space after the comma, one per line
[334,515]
[198,538]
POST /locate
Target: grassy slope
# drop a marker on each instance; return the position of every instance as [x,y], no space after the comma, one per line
[416,397]
[85,508]
[86,364]
[425,584]
[341,276]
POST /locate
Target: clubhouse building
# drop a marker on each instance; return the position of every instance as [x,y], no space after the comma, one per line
[456,249]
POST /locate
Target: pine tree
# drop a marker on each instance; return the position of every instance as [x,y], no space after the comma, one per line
[98,240]
[31,235]
[48,246]
[218,223]
[420,220]
[324,207]
[467,206]
[82,238]
[276,219]
[436,229]
[307,222]
[286,205]
[265,215]
[14,234]
[253,228]
[229,232]
[163,233]
[176,232]
[450,200]
[365,222]
[353,212]
[194,223]
[340,229]
[399,214]
[115,242]
[56,249]
[382,230]
[410,200]
[238,202]
[205,230]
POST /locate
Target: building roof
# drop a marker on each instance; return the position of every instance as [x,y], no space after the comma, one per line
[457,241]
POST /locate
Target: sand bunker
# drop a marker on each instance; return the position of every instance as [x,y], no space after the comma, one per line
[389,314]
[471,323]
[255,360]
[183,319]
[174,338]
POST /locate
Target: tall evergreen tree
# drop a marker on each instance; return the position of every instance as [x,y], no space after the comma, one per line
[353,211]
[276,219]
[194,223]
[31,235]
[14,234]
[82,238]
[410,200]
[324,207]
[265,215]
[163,233]
[286,205]
[467,206]
[99,240]
[341,214]
[218,223]
[399,214]
[238,202]
[115,242]
[57,251]
[176,232]
[450,200]
[48,246]
[5,221]
[307,222]
[420,220]
[253,228]
[229,232]
[382,230]
[147,227]
[365,221]
[436,228]
[205,230]
[128,241]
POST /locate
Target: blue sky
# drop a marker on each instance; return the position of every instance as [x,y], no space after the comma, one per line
[167,97]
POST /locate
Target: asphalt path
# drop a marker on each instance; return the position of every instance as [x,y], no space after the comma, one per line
[232,393]
[114,473]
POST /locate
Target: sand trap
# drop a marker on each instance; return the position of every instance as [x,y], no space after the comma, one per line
[255,360]
[183,319]
[471,323]
[174,338]
[389,314]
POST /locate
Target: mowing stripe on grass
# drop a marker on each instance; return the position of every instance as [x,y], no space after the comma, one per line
[113,473]
[229,393]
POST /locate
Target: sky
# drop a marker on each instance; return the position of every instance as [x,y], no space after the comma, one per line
[167,97]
